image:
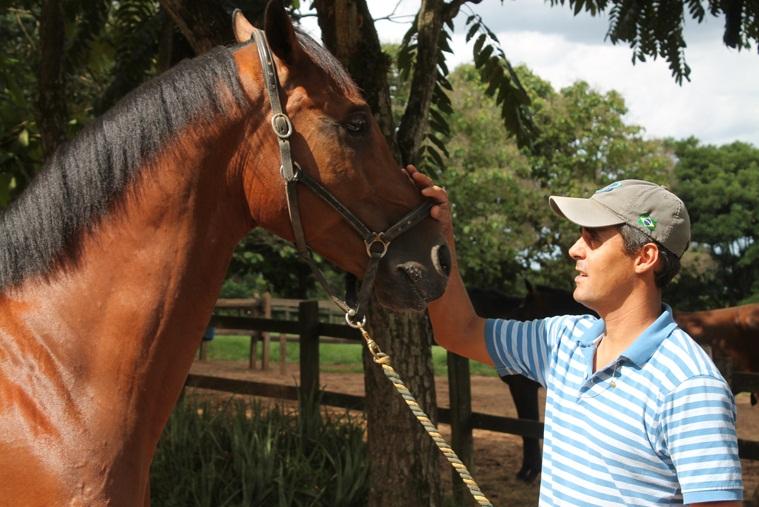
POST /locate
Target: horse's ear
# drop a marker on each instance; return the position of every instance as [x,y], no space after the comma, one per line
[280,32]
[241,26]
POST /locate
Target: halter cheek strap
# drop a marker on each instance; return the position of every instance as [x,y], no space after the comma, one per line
[376,243]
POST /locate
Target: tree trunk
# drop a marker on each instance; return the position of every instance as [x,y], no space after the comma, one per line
[52,110]
[403,460]
[348,32]
[429,23]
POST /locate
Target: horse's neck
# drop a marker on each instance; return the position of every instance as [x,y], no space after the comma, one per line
[116,331]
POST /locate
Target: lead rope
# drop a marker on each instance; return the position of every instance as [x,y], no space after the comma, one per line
[383,360]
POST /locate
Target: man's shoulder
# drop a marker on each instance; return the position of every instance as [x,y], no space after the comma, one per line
[683,359]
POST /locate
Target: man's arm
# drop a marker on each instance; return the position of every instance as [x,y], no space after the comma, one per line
[454,322]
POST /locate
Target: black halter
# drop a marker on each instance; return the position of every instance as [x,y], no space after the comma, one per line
[376,243]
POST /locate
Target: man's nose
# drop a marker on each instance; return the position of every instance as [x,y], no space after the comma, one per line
[576,250]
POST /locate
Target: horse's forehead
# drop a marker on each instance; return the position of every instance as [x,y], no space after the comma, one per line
[321,100]
[321,85]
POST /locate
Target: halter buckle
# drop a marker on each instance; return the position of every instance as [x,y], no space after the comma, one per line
[281,125]
[378,238]
[296,172]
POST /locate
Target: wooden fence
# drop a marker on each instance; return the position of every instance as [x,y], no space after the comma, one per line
[265,307]
[310,329]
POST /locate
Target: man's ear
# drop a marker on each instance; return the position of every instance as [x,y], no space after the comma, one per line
[647,258]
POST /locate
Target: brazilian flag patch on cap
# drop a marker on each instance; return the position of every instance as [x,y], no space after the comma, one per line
[647,221]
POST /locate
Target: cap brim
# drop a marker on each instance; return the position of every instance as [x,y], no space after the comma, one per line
[584,212]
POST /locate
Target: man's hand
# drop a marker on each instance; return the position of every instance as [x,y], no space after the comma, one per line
[440,212]
[454,322]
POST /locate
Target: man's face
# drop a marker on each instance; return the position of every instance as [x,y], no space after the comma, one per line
[606,273]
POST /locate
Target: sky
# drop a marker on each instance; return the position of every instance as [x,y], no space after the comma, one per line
[719,105]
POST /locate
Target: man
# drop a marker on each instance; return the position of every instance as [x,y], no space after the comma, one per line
[636,413]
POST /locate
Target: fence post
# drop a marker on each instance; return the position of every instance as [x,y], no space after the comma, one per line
[254,335]
[265,341]
[207,337]
[282,354]
[252,351]
[460,398]
[308,318]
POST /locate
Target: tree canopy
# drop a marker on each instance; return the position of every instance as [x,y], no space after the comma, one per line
[720,185]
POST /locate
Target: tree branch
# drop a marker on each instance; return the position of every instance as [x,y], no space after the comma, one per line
[414,121]
[52,110]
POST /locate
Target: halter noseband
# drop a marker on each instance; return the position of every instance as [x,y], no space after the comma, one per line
[376,243]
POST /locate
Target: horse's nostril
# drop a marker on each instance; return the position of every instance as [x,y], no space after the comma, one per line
[441,259]
[413,271]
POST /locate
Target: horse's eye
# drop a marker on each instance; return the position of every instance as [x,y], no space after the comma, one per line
[357,124]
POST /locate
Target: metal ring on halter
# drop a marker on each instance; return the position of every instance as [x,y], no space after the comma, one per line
[288,124]
[297,169]
[349,319]
[377,238]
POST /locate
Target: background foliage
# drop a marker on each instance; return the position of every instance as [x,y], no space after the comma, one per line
[568,141]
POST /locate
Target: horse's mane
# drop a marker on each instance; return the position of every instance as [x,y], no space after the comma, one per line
[84,177]
[82,180]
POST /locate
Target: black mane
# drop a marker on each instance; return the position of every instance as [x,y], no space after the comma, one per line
[81,181]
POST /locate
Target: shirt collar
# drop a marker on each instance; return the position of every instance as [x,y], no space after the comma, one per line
[644,345]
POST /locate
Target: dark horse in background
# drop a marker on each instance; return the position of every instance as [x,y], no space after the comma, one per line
[540,302]
[112,260]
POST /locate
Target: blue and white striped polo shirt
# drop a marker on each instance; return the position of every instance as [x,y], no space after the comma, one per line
[660,432]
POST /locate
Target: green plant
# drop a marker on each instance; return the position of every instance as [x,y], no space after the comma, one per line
[238,453]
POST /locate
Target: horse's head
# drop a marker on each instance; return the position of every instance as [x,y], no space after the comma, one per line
[337,143]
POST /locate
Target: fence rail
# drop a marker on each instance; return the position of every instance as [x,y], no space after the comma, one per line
[459,416]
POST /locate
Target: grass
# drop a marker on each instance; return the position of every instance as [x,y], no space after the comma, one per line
[333,357]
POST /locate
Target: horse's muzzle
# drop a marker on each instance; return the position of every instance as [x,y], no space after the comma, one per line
[409,284]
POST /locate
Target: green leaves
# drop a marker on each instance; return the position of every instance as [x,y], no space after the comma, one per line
[239,453]
[502,82]
[433,152]
[137,24]
[720,186]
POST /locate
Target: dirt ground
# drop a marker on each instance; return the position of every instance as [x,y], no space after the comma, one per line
[497,456]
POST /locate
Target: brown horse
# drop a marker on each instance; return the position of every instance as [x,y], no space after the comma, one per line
[110,263]
[732,333]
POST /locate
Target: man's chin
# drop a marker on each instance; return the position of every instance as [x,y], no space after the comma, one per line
[583,299]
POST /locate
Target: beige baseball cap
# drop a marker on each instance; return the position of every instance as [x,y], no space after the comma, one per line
[648,207]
